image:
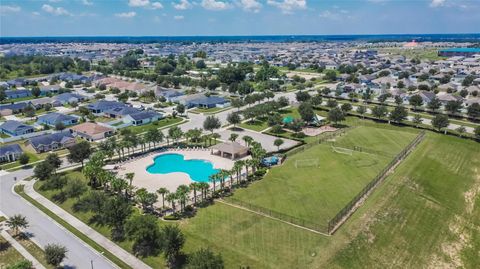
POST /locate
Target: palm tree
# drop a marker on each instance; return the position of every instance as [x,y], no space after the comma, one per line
[17,222]
[213,178]
[215,136]
[129,177]
[163,192]
[194,186]
[247,139]
[237,166]
[204,186]
[182,194]
[172,198]
[233,137]
[142,141]
[118,185]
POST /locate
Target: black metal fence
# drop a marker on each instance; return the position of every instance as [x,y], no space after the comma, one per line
[333,224]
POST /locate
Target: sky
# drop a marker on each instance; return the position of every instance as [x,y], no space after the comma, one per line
[236,17]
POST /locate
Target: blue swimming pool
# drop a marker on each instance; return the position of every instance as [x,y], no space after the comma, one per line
[198,170]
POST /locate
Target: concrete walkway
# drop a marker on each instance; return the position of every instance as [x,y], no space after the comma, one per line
[35,263]
[119,252]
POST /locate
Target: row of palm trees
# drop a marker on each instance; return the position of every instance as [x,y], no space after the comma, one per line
[128,141]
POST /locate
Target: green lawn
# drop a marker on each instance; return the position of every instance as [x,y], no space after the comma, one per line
[255,125]
[34,250]
[316,194]
[8,101]
[261,124]
[426,215]
[212,110]
[420,211]
[8,254]
[155,125]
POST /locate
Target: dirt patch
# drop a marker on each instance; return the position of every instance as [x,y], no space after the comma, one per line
[452,250]
[472,194]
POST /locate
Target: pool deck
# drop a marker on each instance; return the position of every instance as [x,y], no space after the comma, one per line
[152,182]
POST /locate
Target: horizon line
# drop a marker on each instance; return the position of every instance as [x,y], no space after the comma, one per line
[266,35]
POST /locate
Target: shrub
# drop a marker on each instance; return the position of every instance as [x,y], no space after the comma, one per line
[24,159]
[21,265]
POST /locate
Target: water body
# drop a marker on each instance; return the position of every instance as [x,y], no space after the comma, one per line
[243,39]
[198,170]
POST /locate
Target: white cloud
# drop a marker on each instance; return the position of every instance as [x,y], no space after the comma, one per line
[182,5]
[157,5]
[250,5]
[288,6]
[58,11]
[215,5]
[35,13]
[130,14]
[138,3]
[87,2]
[9,9]
[178,17]
[437,3]
[54,1]
[145,4]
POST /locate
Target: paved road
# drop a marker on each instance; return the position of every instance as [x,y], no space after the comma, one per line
[43,229]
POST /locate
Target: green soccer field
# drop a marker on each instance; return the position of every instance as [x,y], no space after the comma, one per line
[315,194]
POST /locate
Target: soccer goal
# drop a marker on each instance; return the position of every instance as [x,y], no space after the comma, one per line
[306,163]
[342,150]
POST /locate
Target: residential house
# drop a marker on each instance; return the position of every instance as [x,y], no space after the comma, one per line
[10,153]
[55,118]
[168,94]
[447,97]
[92,131]
[41,102]
[427,96]
[99,107]
[69,98]
[208,102]
[49,89]
[16,128]
[120,112]
[14,94]
[10,109]
[50,142]
[142,117]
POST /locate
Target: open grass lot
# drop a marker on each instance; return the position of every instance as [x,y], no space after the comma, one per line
[316,194]
[426,215]
[419,53]
[154,125]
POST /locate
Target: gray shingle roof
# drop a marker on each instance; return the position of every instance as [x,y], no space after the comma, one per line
[56,117]
[13,126]
[50,138]
[144,115]
[9,149]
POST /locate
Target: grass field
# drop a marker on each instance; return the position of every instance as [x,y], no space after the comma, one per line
[424,215]
[316,194]
[427,214]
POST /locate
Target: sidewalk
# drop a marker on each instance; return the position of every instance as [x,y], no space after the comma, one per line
[119,252]
[35,263]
